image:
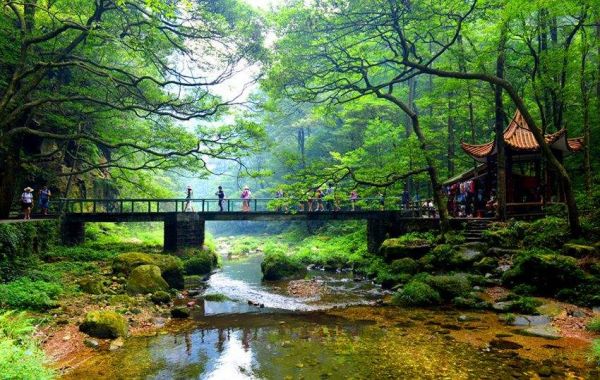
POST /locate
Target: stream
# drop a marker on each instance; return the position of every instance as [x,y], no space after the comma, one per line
[340,332]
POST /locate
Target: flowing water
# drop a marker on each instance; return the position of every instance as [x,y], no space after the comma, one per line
[339,333]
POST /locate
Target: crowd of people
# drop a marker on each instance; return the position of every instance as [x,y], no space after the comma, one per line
[317,199]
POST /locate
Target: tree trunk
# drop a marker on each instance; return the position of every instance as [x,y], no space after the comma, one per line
[451,139]
[499,130]
[9,167]
[585,97]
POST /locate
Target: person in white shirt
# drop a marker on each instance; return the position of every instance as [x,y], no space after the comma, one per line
[27,202]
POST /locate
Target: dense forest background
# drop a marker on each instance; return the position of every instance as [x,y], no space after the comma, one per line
[130,98]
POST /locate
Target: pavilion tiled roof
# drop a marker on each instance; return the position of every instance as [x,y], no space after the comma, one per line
[518,137]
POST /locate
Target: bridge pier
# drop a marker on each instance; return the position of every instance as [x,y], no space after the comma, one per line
[393,226]
[71,232]
[183,230]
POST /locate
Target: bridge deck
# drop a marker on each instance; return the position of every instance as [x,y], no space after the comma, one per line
[239,215]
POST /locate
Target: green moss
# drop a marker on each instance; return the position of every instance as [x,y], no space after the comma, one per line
[595,351]
[215,297]
[92,285]
[171,267]
[104,324]
[416,293]
[161,297]
[525,305]
[401,247]
[121,299]
[579,250]
[146,279]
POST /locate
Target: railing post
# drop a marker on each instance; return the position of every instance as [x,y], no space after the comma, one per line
[255,204]
[94,206]
[203,205]
[157,206]
[148,206]
[132,209]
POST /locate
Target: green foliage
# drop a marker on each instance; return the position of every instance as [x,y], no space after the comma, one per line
[161,297]
[171,267]
[404,265]
[525,305]
[549,232]
[20,243]
[416,293]
[24,293]
[146,279]
[20,356]
[595,351]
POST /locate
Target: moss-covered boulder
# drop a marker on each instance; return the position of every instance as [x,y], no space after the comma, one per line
[279,266]
[547,272]
[449,286]
[404,265]
[171,267]
[416,293]
[180,312]
[486,264]
[92,285]
[201,262]
[161,297]
[579,250]
[146,279]
[104,324]
[393,249]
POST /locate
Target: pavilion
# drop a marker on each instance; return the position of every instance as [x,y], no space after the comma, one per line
[530,183]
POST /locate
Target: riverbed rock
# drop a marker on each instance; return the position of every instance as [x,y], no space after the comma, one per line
[486,264]
[579,250]
[171,267]
[503,344]
[180,312]
[531,320]
[104,324]
[116,344]
[201,262]
[392,249]
[499,252]
[161,297]
[146,279]
[91,343]
[542,331]
[502,305]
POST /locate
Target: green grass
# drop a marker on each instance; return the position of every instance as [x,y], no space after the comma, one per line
[25,293]
[20,355]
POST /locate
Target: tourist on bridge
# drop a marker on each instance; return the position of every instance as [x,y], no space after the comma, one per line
[188,197]
[27,202]
[279,197]
[44,199]
[353,199]
[221,195]
[319,198]
[246,196]
[330,204]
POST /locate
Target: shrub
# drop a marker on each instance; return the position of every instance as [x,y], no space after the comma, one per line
[525,305]
[416,293]
[549,232]
[27,294]
[547,272]
[277,265]
[594,325]
[449,286]
[20,356]
[160,297]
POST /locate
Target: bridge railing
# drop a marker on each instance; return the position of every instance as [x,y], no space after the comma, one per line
[420,208]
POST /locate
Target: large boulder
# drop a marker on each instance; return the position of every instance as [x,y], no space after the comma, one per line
[171,267]
[392,249]
[146,279]
[547,272]
[416,293]
[92,285]
[104,324]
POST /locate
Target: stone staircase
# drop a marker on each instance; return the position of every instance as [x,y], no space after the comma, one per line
[475,228]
